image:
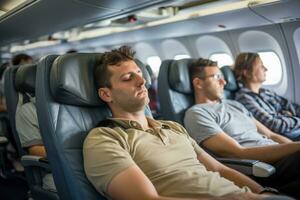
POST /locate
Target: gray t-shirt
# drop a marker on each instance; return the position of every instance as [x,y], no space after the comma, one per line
[205,120]
[27,124]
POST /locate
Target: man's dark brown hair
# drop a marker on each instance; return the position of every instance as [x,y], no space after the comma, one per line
[114,57]
[197,67]
[18,59]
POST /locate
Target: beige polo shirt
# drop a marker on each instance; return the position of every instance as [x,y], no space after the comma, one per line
[165,153]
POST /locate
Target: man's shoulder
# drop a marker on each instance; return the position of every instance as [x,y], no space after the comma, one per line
[27,110]
[264,91]
[99,135]
[235,104]
[28,106]
[198,108]
[232,102]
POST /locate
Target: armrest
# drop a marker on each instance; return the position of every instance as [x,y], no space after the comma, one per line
[249,167]
[35,161]
[3,141]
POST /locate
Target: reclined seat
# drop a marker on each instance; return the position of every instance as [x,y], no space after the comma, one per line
[68,107]
[176,96]
[11,95]
[21,80]
[231,84]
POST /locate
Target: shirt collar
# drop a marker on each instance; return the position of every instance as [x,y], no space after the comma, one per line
[125,123]
[245,89]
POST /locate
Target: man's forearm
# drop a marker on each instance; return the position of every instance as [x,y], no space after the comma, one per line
[37,150]
[270,153]
[279,138]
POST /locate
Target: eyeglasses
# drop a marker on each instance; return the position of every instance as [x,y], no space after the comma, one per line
[217,76]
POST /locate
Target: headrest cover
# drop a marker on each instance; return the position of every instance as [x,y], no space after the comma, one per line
[229,77]
[72,79]
[179,78]
[25,78]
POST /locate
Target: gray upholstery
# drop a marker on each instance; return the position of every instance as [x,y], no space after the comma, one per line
[25,79]
[174,89]
[22,79]
[11,96]
[67,110]
[231,84]
[178,76]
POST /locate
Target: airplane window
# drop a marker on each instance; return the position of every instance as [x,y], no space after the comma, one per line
[222,59]
[181,56]
[273,64]
[154,62]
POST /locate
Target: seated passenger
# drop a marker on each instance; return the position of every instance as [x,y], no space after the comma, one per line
[18,59]
[29,133]
[131,156]
[21,59]
[276,112]
[226,128]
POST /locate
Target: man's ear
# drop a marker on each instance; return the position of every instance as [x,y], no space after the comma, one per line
[197,83]
[105,94]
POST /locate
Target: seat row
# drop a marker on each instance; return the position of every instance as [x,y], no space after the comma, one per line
[68,107]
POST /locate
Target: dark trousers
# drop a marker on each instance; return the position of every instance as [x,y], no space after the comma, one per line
[287,176]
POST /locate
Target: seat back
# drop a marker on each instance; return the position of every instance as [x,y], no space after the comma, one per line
[68,107]
[21,80]
[18,80]
[174,89]
[231,84]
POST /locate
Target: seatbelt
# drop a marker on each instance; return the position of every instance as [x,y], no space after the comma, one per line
[109,123]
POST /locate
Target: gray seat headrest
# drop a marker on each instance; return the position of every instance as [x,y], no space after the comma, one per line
[72,79]
[25,78]
[231,84]
[179,78]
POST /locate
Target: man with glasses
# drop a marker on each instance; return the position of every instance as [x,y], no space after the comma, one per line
[226,128]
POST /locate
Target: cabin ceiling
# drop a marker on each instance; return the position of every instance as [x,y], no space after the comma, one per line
[48,16]
[60,20]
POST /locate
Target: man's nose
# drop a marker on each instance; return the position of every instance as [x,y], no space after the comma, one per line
[222,81]
[140,80]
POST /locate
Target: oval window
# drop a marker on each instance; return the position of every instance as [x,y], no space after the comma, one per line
[272,63]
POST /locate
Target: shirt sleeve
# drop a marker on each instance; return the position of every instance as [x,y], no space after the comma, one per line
[104,156]
[201,124]
[275,121]
[27,125]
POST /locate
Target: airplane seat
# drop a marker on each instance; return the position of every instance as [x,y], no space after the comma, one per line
[11,96]
[174,89]
[20,81]
[231,84]
[153,95]
[68,107]
[176,96]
